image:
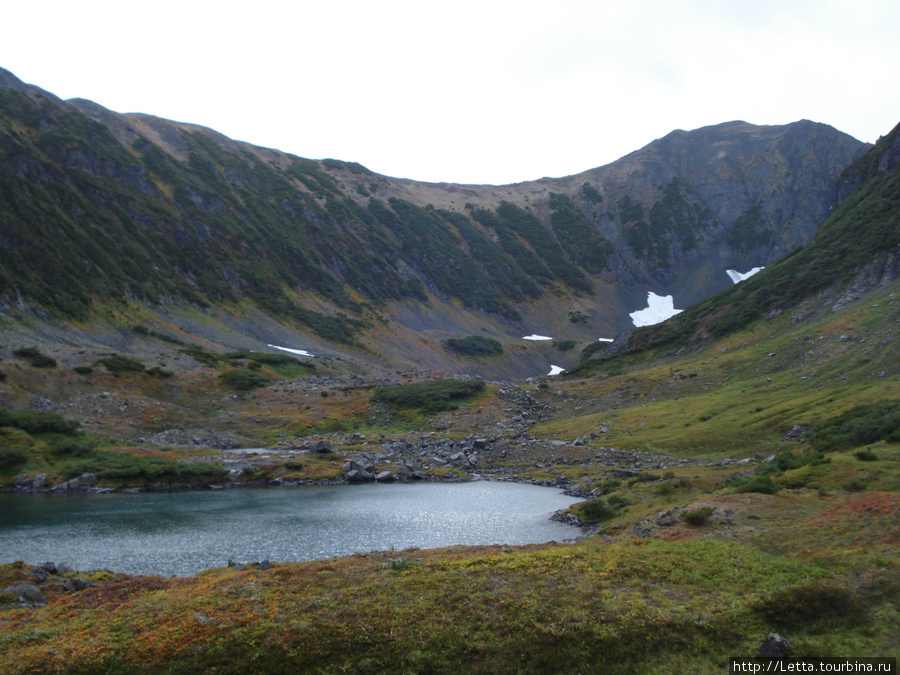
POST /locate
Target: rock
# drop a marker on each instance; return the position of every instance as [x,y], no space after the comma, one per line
[264,565]
[63,568]
[76,584]
[39,481]
[23,481]
[355,476]
[323,447]
[480,443]
[23,595]
[385,477]
[49,567]
[774,647]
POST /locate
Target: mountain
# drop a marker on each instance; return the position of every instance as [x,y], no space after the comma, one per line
[856,250]
[101,211]
[740,464]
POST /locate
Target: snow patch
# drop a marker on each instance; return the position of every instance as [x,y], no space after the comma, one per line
[555,370]
[737,276]
[659,308]
[537,337]
[298,352]
[604,339]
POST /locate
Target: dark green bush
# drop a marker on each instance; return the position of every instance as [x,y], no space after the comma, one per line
[83,370]
[865,456]
[618,501]
[43,362]
[121,365]
[433,396]
[27,352]
[762,484]
[156,371]
[10,458]
[596,510]
[37,422]
[244,380]
[863,425]
[565,345]
[697,517]
[475,345]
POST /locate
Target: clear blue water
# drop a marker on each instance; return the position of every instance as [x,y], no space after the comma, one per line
[182,533]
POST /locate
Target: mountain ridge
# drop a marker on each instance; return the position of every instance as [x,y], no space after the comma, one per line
[333,248]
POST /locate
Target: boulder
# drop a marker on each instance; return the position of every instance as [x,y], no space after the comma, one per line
[355,476]
[23,595]
[385,477]
[76,584]
[774,647]
[323,447]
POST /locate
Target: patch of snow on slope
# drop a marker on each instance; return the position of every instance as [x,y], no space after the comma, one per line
[659,308]
[604,339]
[737,276]
[555,370]
[537,337]
[299,352]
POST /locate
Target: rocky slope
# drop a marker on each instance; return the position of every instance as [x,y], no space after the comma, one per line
[100,209]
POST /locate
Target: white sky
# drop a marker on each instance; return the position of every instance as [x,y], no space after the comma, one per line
[470,91]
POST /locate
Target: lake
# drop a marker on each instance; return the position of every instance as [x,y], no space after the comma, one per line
[182,533]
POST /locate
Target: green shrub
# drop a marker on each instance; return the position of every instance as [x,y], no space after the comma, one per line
[83,370]
[244,380]
[37,422]
[10,458]
[697,517]
[43,362]
[863,425]
[121,365]
[596,510]
[618,501]
[475,345]
[204,356]
[72,448]
[156,371]
[865,456]
[433,396]
[27,352]
[762,484]
[565,345]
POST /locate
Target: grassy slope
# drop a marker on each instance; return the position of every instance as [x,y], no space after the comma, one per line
[817,562]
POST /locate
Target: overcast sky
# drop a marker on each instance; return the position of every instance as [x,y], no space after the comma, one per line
[469,91]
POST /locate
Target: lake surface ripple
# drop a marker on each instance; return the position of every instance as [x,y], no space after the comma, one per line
[182,533]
